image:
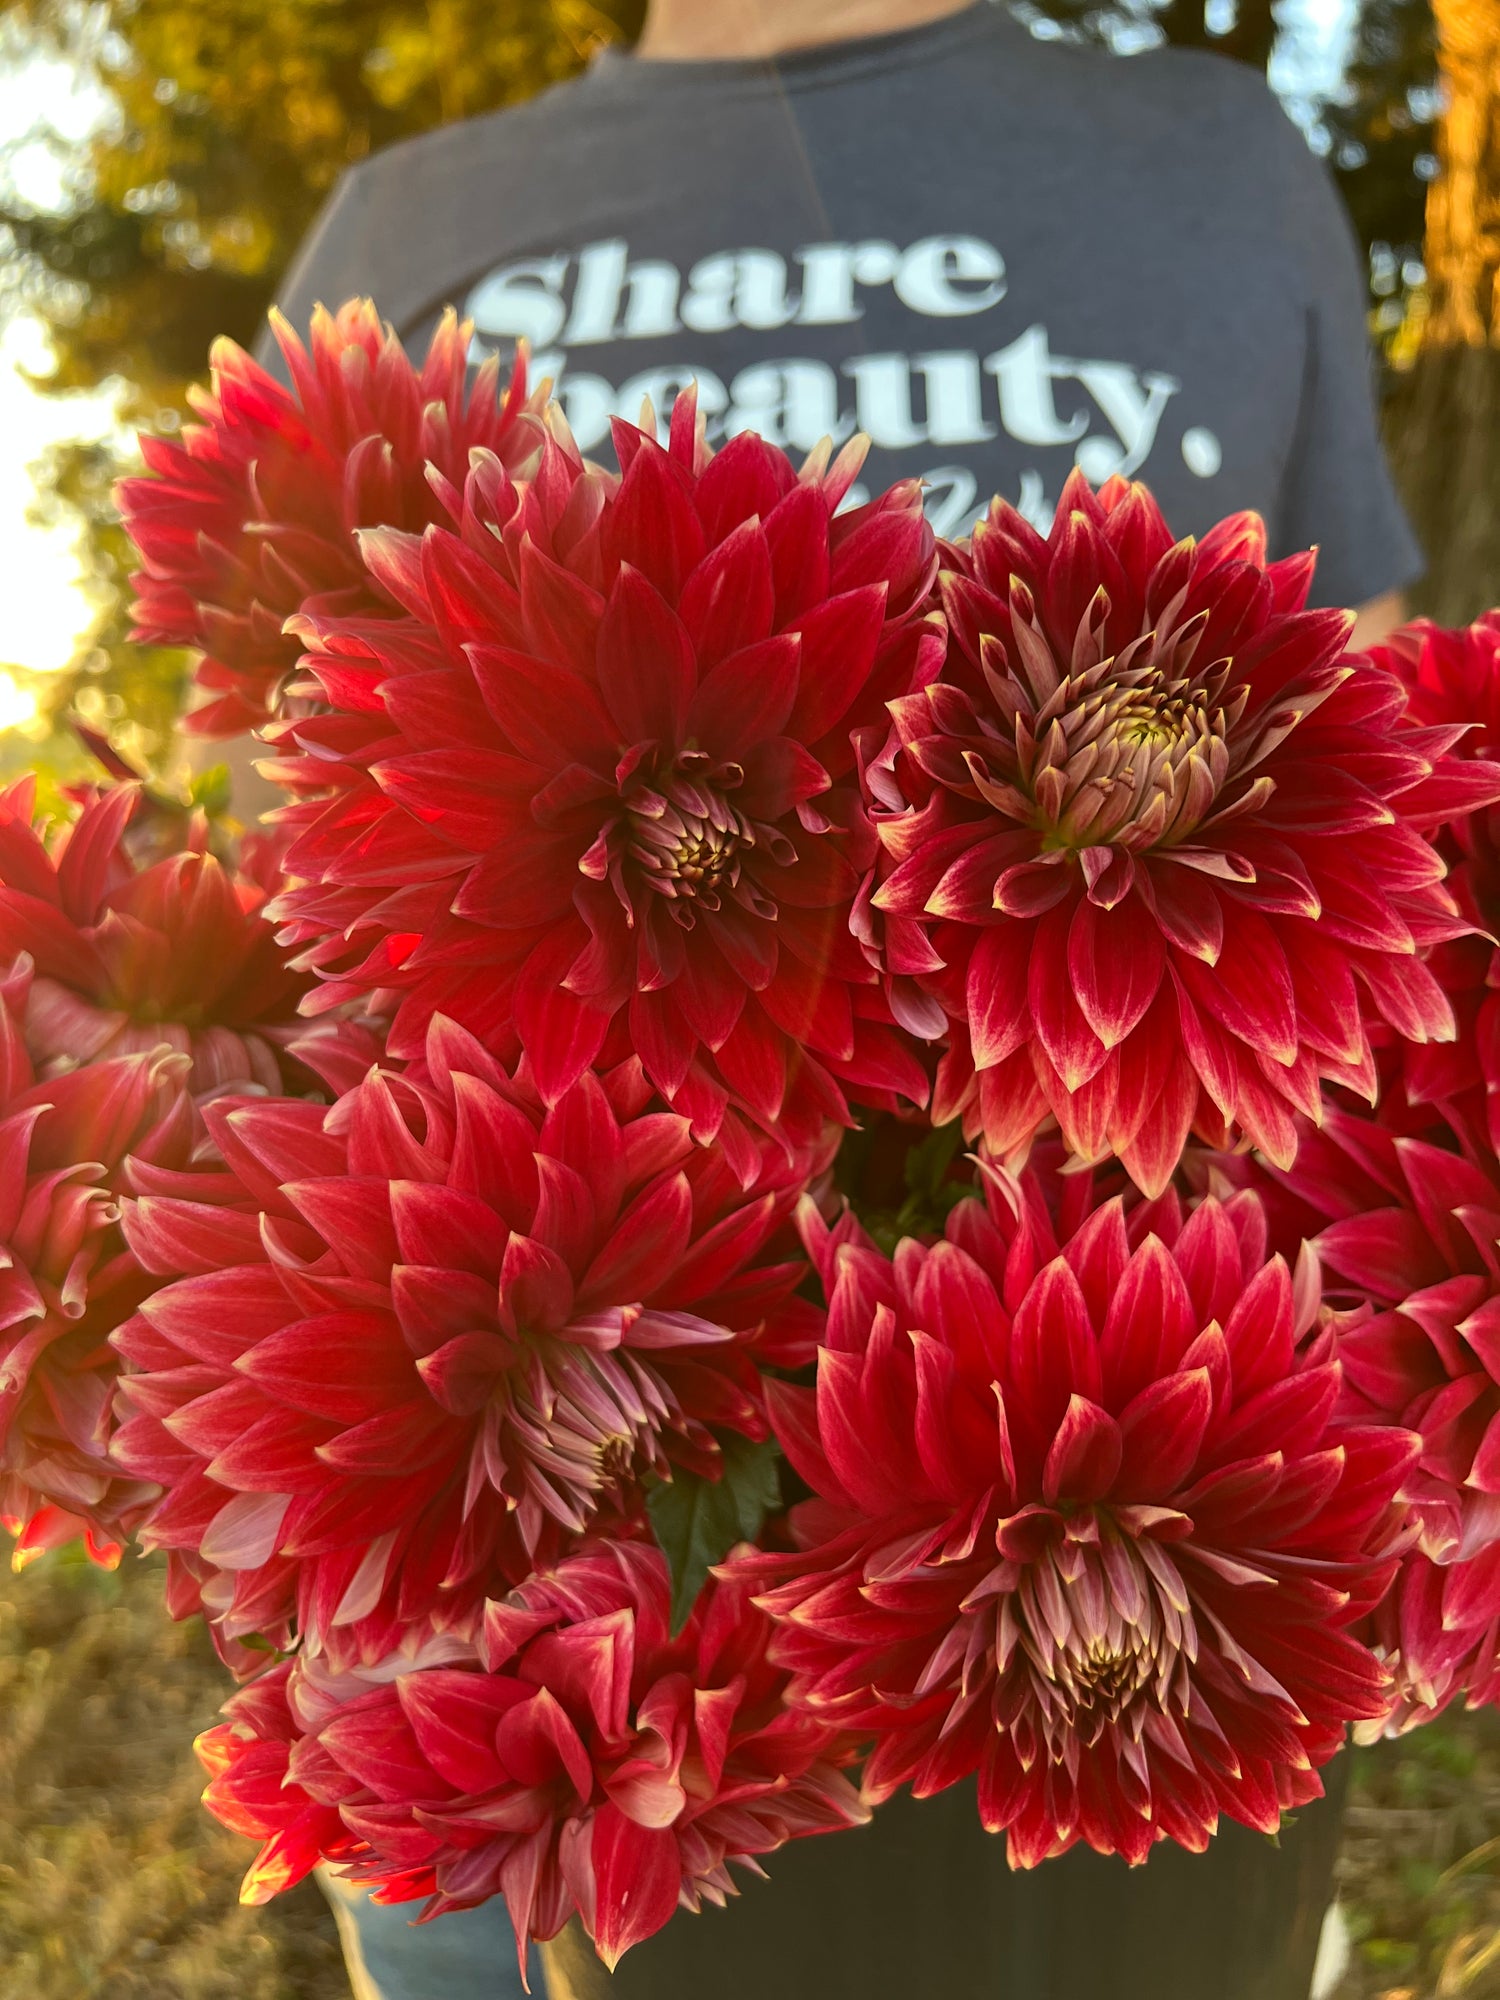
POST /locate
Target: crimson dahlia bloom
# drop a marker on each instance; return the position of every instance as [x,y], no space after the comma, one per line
[425,1336]
[249,515]
[582,1760]
[1153,845]
[1453,677]
[1414,1232]
[129,958]
[248,1790]
[66,1279]
[597,792]
[1085,1523]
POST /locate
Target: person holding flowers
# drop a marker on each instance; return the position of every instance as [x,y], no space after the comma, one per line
[820,1158]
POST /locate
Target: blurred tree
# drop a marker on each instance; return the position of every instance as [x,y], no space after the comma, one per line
[234,121]
[1445,412]
[1243,29]
[1247,31]
[1382,132]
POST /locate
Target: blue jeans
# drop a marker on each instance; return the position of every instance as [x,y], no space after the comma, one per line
[468,1956]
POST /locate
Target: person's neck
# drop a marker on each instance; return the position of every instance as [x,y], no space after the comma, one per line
[750,30]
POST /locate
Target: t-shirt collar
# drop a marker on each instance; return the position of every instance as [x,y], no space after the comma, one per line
[827,62]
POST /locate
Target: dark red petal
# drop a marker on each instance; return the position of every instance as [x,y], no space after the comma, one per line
[647,673]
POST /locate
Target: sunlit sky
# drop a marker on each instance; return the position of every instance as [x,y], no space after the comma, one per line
[46,112]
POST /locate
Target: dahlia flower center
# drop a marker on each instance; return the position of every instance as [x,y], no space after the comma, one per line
[1105,1678]
[684,852]
[569,1430]
[1136,759]
[1087,1636]
[681,838]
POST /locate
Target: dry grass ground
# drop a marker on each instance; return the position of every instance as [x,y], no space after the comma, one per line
[115,1885]
[1421,1865]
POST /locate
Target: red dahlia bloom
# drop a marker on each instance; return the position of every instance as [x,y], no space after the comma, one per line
[1454,678]
[585,1761]
[1084,1523]
[431,1331]
[1153,844]
[129,958]
[1414,1231]
[615,808]
[66,1278]
[249,515]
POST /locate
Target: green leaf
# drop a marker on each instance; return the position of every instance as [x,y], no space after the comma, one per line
[257,1642]
[697,1521]
[210,790]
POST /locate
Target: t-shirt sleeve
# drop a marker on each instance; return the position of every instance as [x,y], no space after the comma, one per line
[1339,494]
[338,259]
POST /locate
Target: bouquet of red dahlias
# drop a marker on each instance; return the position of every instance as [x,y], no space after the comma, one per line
[892,1176]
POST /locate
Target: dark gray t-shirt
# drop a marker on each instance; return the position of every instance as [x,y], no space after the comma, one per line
[996,256]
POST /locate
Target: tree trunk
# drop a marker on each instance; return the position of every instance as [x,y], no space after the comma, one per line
[1443,417]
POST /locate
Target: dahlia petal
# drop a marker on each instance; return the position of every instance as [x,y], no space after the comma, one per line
[443,1227]
[1116,960]
[998,997]
[168,1235]
[729,601]
[747,697]
[412,1435]
[793,1413]
[646,669]
[646,1246]
[216,1316]
[273,1455]
[536,1288]
[752,1063]
[394,562]
[338,1365]
[548,712]
[1054,1349]
[965,893]
[1084,1457]
[354,1213]
[562,1035]
[1406,994]
[1033,888]
[839,638]
[637,1877]
[519,885]
[658,1037]
[60,949]
[1286,1418]
[748,946]
[1163,1430]
[453,1717]
[654,516]
[1249,990]
[1062,1028]
[1189,910]
[1150,1322]
[561,615]
[1259,1329]
[1382,1252]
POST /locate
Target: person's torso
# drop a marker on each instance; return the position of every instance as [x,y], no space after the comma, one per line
[997,259]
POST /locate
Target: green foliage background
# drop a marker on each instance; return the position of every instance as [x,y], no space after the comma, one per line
[235,119]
